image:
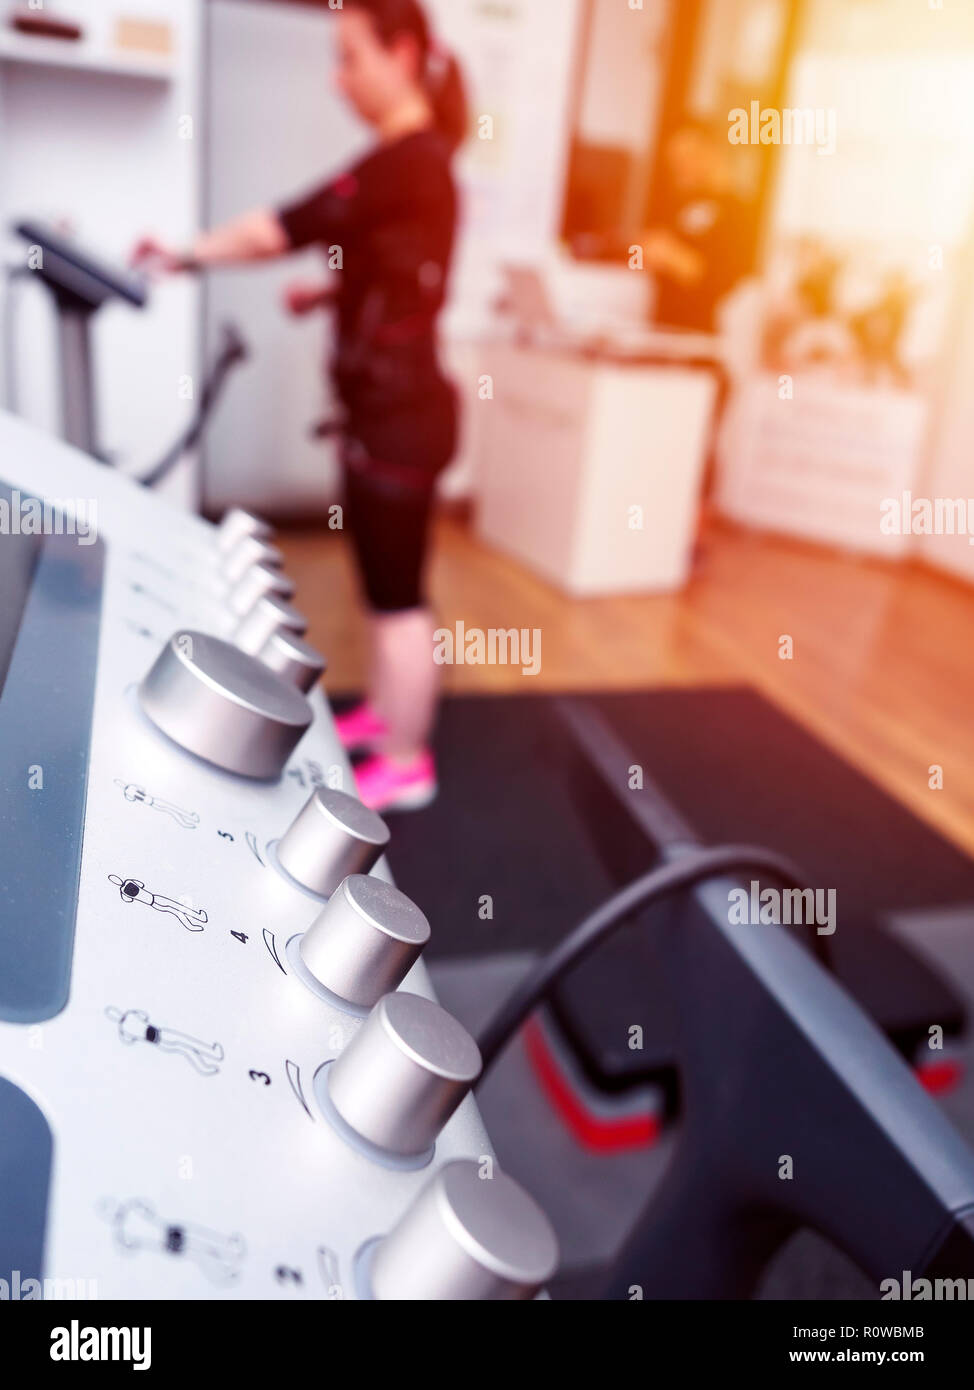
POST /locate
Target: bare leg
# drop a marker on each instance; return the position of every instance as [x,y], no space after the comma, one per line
[405,680]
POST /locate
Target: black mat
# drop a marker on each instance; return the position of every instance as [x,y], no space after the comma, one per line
[515,824]
[508,822]
[739,768]
[514,821]
[504,826]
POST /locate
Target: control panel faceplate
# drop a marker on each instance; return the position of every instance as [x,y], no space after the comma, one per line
[190,1155]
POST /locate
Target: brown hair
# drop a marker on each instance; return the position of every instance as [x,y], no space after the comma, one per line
[439,70]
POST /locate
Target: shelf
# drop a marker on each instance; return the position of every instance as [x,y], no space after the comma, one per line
[81,56]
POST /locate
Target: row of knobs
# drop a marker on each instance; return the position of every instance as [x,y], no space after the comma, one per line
[241,705]
[405,1072]
[259,597]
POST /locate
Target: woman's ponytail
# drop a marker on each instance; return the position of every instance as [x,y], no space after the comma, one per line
[448,96]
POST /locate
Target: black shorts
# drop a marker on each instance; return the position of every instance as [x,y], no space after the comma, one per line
[388,521]
[392,459]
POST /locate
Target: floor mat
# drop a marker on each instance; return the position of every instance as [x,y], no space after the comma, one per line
[506,861]
[507,827]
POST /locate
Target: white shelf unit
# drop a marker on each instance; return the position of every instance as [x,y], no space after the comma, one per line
[81,55]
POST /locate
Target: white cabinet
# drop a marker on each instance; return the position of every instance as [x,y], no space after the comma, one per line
[590,472]
[820,464]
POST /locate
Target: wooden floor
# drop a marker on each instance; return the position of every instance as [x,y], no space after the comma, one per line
[883,665]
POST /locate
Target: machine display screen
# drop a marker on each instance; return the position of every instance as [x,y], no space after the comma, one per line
[18,561]
[50,613]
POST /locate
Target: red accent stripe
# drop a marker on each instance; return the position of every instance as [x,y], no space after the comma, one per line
[603,1135]
[345,186]
[938,1077]
[595,1132]
[404,330]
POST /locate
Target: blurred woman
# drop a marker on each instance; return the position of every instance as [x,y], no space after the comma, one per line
[390,222]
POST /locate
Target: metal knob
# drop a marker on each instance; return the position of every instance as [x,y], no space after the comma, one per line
[466,1237]
[293,659]
[365,942]
[237,524]
[269,615]
[258,581]
[246,553]
[403,1074]
[223,705]
[332,836]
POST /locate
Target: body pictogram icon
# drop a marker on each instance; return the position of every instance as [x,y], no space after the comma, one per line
[189,820]
[137,1227]
[133,890]
[135,1026]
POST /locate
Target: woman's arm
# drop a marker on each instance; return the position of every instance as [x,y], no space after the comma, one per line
[256,236]
[304,296]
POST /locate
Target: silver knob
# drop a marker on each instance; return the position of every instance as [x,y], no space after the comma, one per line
[403,1074]
[293,659]
[223,705]
[269,615]
[258,581]
[246,553]
[237,524]
[365,942]
[466,1237]
[332,836]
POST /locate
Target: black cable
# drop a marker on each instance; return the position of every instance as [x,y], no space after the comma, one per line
[233,351]
[684,872]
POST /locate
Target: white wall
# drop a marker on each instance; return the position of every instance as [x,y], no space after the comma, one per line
[623,74]
[106,153]
[898,188]
[903,166]
[950,471]
[275,129]
[518,61]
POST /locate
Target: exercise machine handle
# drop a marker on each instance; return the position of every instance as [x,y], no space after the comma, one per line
[233,351]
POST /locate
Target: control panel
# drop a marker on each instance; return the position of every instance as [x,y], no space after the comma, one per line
[222,1070]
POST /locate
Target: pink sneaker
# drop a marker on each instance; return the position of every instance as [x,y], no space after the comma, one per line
[384,785]
[359,727]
